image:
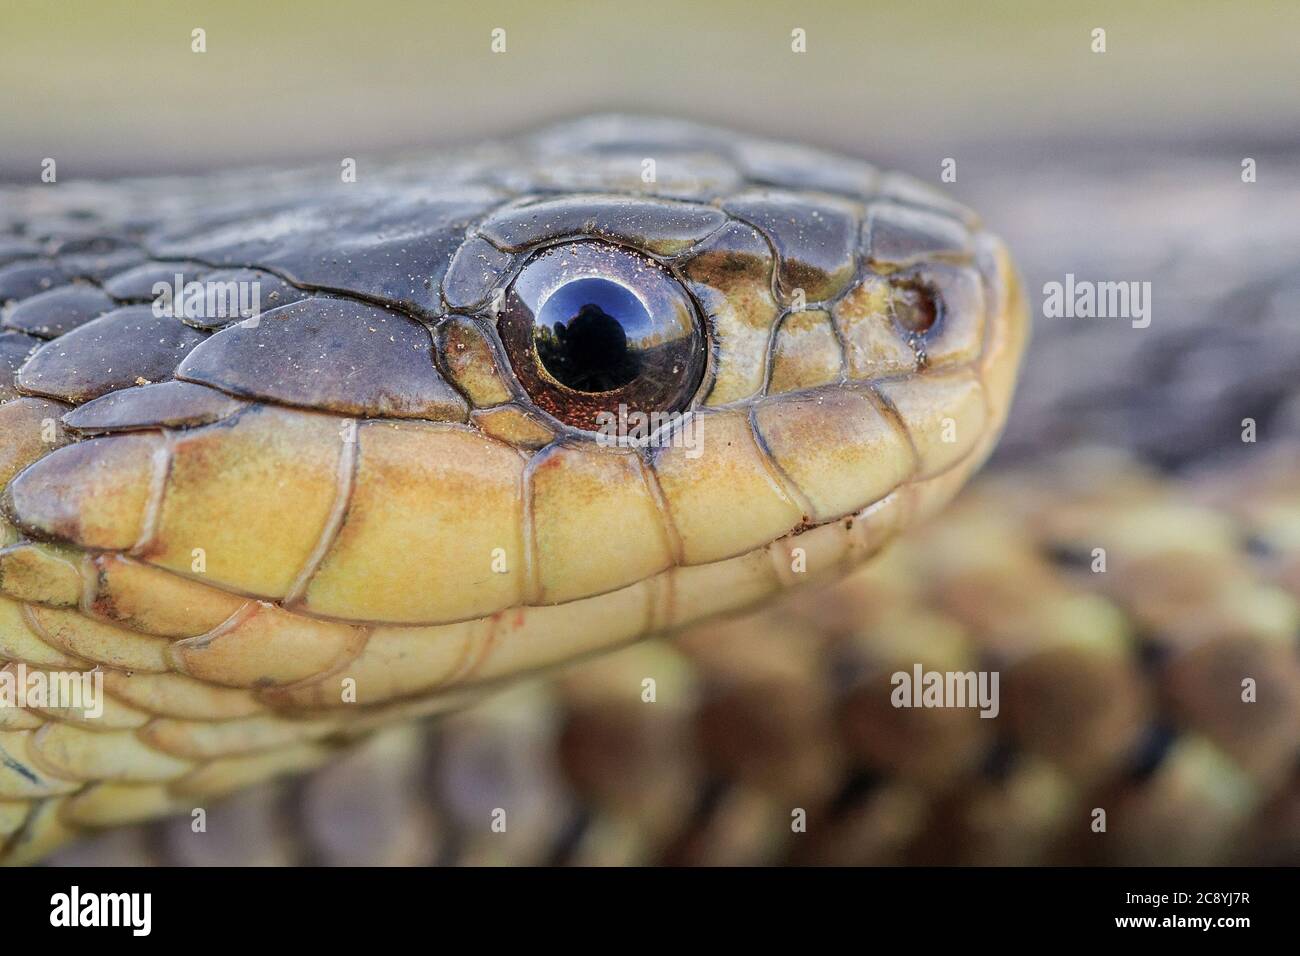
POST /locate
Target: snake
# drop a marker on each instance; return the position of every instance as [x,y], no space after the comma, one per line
[1121,690]
[290,456]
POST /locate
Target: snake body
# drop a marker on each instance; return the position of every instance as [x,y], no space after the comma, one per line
[271,534]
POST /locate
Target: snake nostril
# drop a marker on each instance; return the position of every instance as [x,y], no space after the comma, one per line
[915,307]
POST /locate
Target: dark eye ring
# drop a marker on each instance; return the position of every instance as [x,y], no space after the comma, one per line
[593,329]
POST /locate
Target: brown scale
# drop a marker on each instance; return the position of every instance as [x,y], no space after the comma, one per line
[59,311]
[128,346]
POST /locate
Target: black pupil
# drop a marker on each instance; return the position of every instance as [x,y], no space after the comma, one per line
[591,335]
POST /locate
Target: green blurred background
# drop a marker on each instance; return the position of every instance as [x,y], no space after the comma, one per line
[109,87]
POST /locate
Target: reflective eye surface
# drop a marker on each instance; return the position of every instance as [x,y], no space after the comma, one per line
[593,329]
[590,335]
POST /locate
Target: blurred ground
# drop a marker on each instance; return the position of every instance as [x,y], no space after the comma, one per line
[112,87]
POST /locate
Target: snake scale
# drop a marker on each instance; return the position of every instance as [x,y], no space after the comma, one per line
[873,315]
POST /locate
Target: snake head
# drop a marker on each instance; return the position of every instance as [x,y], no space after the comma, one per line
[496,410]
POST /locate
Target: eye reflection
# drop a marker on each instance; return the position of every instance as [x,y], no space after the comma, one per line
[593,328]
[582,334]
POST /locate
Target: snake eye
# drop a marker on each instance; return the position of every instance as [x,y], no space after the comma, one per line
[593,329]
